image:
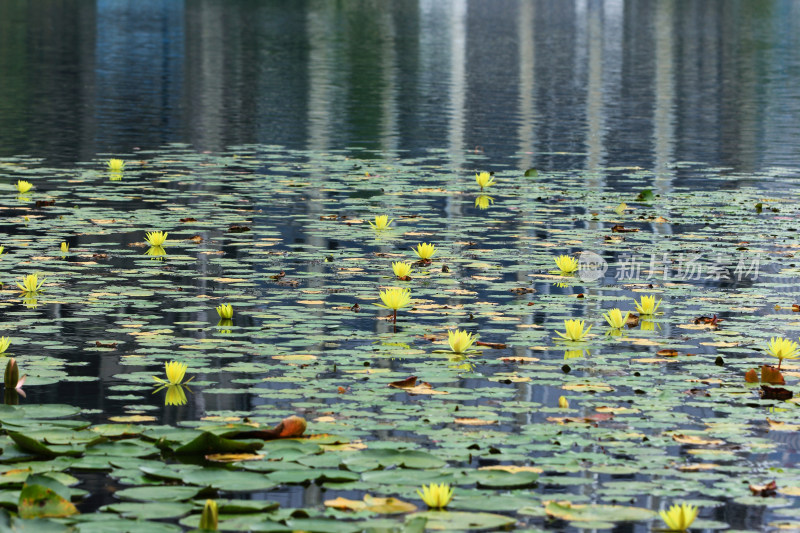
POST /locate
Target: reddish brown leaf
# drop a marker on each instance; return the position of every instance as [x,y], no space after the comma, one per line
[290,427]
[188,219]
[708,320]
[764,490]
[619,228]
[496,345]
[404,383]
[771,375]
[667,353]
[590,419]
[105,345]
[523,290]
[751,376]
[238,229]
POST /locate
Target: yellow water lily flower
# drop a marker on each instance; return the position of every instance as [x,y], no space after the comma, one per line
[782,349]
[23,186]
[30,300]
[647,305]
[566,264]
[436,496]
[679,517]
[5,342]
[381,222]
[64,247]
[483,201]
[209,518]
[425,251]
[175,395]
[225,311]
[460,340]
[484,179]
[11,378]
[1,249]
[395,299]
[615,318]
[116,165]
[30,283]
[575,331]
[175,372]
[156,238]
[401,269]
[563,402]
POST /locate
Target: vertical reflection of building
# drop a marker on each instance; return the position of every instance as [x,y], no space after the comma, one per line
[744,59]
[433,104]
[527,145]
[629,118]
[457,88]
[664,108]
[595,105]
[781,113]
[138,74]
[205,58]
[389,82]
[324,87]
[559,102]
[527,87]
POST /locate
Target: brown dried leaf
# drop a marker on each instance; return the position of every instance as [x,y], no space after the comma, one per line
[404,383]
[771,375]
[591,419]
[695,440]
[496,345]
[619,228]
[764,490]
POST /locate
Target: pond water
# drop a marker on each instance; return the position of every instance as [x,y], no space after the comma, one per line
[265,136]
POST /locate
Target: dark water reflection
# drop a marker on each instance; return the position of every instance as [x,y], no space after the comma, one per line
[610,83]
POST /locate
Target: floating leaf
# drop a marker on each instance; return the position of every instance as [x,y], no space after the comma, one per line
[43,497]
[597,513]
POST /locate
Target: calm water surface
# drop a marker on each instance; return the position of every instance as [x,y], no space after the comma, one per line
[547,84]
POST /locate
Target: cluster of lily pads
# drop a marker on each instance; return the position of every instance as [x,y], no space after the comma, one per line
[508,436]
